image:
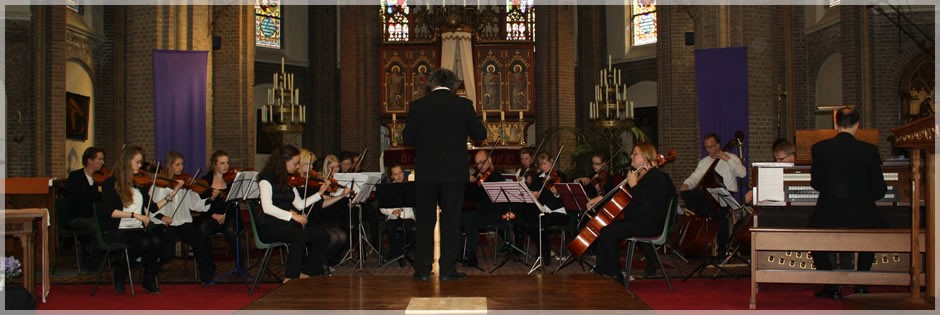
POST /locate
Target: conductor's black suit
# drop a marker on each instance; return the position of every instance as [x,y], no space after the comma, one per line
[847,173]
[438,126]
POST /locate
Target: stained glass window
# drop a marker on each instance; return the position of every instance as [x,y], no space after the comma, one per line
[520,20]
[833,3]
[644,22]
[394,15]
[268,24]
[74,5]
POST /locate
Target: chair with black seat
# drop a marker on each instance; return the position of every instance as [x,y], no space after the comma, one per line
[109,248]
[254,215]
[654,241]
[63,215]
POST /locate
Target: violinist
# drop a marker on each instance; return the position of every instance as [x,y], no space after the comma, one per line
[527,168]
[125,211]
[82,191]
[334,217]
[175,221]
[554,211]
[484,212]
[338,236]
[599,183]
[283,219]
[347,161]
[220,215]
[644,215]
[398,221]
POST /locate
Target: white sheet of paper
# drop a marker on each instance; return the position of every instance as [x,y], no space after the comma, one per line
[770,183]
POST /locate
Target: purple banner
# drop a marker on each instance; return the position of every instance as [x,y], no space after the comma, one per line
[179,93]
[721,85]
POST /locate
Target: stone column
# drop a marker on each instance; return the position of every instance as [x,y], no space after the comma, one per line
[555,78]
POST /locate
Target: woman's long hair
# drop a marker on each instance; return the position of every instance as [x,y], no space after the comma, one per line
[171,157]
[649,151]
[124,174]
[215,158]
[276,165]
[326,164]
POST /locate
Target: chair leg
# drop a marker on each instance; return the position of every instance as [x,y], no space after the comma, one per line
[55,260]
[107,256]
[261,271]
[631,245]
[663,269]
[78,259]
[130,277]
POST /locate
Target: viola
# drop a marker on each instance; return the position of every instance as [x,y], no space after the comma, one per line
[312,180]
[101,175]
[198,186]
[483,176]
[611,211]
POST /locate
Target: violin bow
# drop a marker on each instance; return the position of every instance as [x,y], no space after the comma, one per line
[492,149]
[554,163]
[307,185]
[152,187]
[537,150]
[191,181]
[361,156]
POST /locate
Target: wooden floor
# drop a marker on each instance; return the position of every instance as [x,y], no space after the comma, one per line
[514,292]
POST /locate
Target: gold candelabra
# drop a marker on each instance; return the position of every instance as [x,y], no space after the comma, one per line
[282,111]
[610,108]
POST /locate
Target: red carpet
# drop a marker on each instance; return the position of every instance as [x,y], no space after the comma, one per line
[172,297]
[735,294]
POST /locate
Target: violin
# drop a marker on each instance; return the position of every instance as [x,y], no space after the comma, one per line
[600,178]
[229,176]
[312,180]
[198,186]
[484,175]
[101,175]
[147,179]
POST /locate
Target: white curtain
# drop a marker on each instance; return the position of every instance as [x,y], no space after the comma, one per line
[456,44]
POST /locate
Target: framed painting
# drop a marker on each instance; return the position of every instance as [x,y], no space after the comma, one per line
[76,116]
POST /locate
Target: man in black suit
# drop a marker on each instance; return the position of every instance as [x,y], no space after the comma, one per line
[82,192]
[438,127]
[847,173]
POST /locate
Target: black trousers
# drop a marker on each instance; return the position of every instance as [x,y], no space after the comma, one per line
[208,227]
[305,244]
[608,246]
[450,198]
[471,221]
[400,232]
[527,221]
[202,248]
[141,244]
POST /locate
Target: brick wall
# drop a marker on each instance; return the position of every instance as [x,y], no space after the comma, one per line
[554,80]
[20,109]
[678,115]
[591,45]
[142,35]
[232,108]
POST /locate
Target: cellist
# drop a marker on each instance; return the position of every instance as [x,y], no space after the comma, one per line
[645,215]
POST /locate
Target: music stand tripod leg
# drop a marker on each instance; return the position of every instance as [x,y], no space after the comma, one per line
[237,270]
[537,264]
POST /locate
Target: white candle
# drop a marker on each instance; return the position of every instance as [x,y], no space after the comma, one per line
[607,104]
[292,113]
[610,63]
[484,116]
[591,110]
[502,116]
[282,64]
[632,107]
[275,81]
[264,117]
[394,117]
[520,116]
[617,108]
[303,117]
[281,109]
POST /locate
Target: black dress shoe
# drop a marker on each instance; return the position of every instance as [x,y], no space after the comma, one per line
[456,276]
[860,289]
[421,277]
[151,286]
[829,293]
[618,278]
[117,276]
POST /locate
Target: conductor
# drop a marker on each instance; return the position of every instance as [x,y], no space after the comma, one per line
[438,126]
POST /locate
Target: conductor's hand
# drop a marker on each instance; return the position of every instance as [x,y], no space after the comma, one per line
[298,217]
[218,217]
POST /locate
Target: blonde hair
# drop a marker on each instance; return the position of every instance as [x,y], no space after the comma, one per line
[326,163]
[648,150]
[307,155]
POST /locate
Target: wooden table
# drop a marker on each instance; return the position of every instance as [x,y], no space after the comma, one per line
[25,225]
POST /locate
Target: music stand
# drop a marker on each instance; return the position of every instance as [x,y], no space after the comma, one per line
[397,195]
[242,189]
[724,199]
[509,193]
[362,185]
[573,196]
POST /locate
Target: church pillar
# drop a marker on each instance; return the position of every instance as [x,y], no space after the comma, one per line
[675,94]
[359,101]
[49,90]
[322,135]
[231,93]
[856,60]
[143,33]
[754,28]
[591,45]
[555,79]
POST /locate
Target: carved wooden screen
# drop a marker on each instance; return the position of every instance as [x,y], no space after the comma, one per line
[505,78]
[404,75]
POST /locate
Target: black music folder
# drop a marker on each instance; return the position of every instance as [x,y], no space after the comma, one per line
[396,195]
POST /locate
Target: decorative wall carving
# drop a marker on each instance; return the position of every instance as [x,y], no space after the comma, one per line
[80,47]
[405,74]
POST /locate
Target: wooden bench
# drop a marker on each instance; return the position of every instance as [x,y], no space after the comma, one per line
[837,240]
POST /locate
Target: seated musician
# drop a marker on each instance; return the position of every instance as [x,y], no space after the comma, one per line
[729,167]
[347,160]
[554,211]
[338,235]
[599,182]
[220,218]
[334,217]
[284,220]
[399,222]
[483,212]
[645,215]
[175,221]
[783,152]
[124,212]
[82,192]
[527,168]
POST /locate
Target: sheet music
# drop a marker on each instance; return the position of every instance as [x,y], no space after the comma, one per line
[245,186]
[361,184]
[515,192]
[724,197]
[770,182]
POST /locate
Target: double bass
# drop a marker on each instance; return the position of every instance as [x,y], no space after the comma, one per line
[612,210]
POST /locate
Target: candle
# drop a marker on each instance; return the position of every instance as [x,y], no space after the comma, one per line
[609,62]
[297,95]
[617,108]
[607,104]
[291,113]
[303,116]
[502,116]
[520,116]
[282,64]
[264,118]
[484,116]
[394,117]
[632,107]
[591,110]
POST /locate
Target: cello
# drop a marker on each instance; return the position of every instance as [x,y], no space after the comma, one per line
[612,210]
